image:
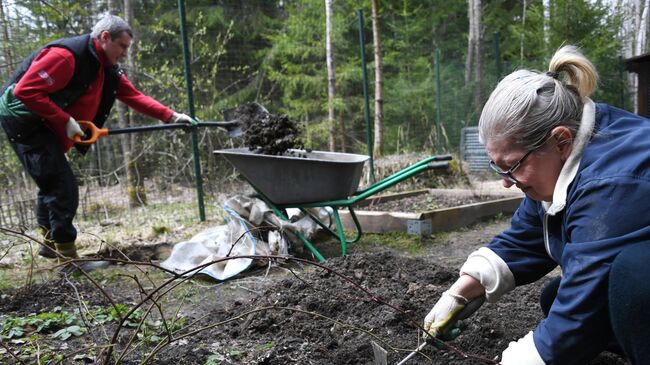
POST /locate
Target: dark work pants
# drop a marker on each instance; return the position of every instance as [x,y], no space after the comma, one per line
[58,195]
[629,301]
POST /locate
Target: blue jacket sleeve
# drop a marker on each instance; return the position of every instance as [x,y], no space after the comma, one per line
[522,245]
[601,219]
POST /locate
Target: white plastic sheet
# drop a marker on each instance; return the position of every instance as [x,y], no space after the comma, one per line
[248,219]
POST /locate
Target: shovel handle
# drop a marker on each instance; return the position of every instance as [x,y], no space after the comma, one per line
[95,133]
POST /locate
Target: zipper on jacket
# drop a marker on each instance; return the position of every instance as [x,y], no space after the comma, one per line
[546,244]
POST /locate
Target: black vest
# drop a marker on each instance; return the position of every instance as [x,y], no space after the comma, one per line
[86,69]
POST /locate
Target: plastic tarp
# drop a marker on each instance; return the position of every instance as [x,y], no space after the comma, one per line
[252,229]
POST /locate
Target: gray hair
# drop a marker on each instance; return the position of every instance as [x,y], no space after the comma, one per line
[526,105]
[112,24]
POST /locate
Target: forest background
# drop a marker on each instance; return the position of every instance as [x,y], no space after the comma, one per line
[431,65]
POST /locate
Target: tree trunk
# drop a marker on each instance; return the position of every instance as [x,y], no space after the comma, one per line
[379,84]
[634,34]
[471,38]
[642,32]
[331,75]
[6,42]
[134,183]
[523,26]
[113,7]
[474,62]
[478,55]
[546,4]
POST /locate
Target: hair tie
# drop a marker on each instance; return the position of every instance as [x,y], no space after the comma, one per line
[552,74]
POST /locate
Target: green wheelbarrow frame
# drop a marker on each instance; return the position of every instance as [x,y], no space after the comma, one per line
[429,163]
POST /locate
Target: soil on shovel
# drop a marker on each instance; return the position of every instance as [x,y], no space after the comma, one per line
[269,134]
[310,315]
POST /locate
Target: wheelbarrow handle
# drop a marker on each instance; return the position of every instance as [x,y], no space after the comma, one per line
[446,157]
[437,165]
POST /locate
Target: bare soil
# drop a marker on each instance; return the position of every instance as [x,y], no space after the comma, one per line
[298,313]
[425,202]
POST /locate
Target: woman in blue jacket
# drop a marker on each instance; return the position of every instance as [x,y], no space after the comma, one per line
[585,170]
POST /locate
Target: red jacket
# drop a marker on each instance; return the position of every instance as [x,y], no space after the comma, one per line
[52,70]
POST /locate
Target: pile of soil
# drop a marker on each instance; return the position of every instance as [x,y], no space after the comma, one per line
[265,133]
[424,202]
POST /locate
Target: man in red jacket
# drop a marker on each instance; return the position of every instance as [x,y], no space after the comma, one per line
[67,80]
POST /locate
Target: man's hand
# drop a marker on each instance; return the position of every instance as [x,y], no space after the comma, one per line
[522,352]
[72,128]
[182,118]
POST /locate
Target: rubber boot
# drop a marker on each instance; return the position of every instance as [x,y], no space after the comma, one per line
[48,250]
[69,250]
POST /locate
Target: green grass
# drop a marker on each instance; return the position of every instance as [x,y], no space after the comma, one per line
[413,244]
[156,223]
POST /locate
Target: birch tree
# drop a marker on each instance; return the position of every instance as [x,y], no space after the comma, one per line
[474,61]
[634,34]
[8,59]
[379,83]
[522,37]
[331,75]
[546,4]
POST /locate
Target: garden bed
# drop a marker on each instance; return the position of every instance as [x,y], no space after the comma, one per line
[437,209]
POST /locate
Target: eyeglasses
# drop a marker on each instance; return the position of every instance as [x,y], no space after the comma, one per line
[507,174]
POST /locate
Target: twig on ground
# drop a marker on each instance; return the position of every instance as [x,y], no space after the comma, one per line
[11,352]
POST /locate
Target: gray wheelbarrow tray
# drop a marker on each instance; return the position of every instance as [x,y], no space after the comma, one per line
[300,179]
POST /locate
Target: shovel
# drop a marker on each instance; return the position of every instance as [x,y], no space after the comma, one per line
[236,120]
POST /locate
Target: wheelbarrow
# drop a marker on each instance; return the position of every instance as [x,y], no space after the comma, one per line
[300,179]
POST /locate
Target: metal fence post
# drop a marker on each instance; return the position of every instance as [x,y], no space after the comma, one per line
[190,101]
[497,55]
[364,73]
[438,122]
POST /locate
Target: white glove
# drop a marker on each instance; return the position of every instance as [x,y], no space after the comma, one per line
[522,352]
[444,314]
[182,118]
[72,128]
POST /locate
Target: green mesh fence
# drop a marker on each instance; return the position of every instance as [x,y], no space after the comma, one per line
[273,52]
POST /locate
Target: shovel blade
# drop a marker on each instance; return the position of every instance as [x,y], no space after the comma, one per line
[234,133]
[381,355]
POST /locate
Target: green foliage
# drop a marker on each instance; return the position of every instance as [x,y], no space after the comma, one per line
[274,52]
[47,322]
[398,240]
[295,66]
[67,332]
[591,25]
[214,359]
[266,346]
[101,315]
[237,354]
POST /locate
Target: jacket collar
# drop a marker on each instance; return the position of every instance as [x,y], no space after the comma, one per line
[570,168]
[97,51]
